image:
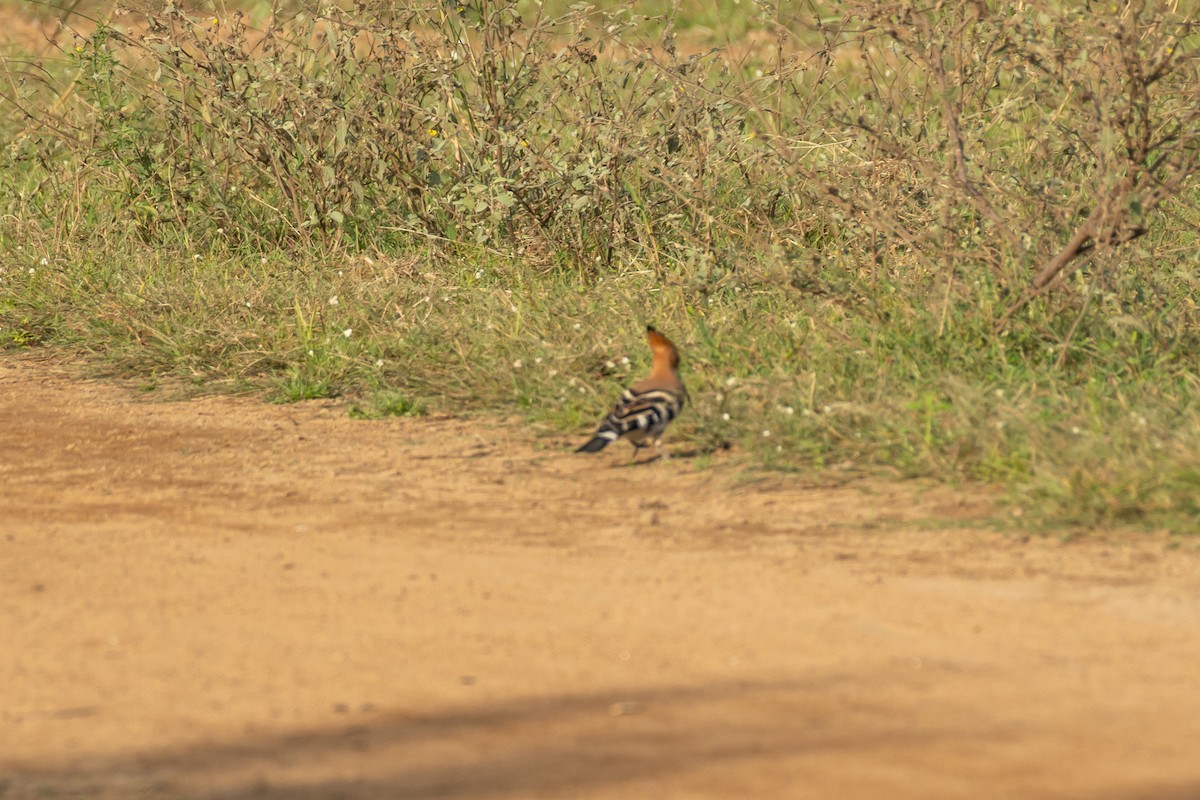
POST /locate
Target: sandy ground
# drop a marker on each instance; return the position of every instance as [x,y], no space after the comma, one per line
[217,598]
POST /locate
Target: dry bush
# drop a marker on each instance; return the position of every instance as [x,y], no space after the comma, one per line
[1021,137]
[377,124]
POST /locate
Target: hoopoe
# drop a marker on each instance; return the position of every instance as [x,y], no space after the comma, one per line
[646,408]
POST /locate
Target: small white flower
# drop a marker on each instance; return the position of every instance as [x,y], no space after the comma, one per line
[999,393]
[45,261]
[725,417]
[789,410]
[1075,430]
[195,257]
[262,260]
[576,326]
[766,434]
[625,361]
[537,360]
[220,231]
[310,352]
[333,301]
[478,274]
[378,363]
[731,381]
[610,364]
[518,364]
[32,270]
[348,332]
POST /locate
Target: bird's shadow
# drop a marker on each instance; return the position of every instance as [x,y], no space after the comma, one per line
[683,455]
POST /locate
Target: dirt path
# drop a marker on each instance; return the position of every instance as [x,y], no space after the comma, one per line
[223,599]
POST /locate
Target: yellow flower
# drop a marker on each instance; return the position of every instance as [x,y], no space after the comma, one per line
[433,132]
[216,21]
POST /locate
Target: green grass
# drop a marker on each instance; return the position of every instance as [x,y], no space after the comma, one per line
[798,384]
[497,239]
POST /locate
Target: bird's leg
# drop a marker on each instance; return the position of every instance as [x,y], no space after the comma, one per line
[663,455]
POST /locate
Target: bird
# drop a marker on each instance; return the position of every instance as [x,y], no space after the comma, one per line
[646,408]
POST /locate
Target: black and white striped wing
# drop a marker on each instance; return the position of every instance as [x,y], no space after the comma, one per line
[645,413]
[638,415]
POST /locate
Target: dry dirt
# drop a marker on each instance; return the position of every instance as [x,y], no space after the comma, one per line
[217,598]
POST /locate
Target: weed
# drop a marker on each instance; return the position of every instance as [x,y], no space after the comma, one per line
[387,403]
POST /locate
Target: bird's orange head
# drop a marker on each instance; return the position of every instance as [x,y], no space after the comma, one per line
[666,356]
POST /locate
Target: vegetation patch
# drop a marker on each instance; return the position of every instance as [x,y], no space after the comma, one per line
[957,242]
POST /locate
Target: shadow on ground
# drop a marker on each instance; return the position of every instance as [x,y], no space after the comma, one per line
[560,746]
[609,743]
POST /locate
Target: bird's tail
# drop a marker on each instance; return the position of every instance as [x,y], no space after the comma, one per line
[601,440]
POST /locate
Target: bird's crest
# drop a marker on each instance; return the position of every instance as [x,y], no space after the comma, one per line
[666,356]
